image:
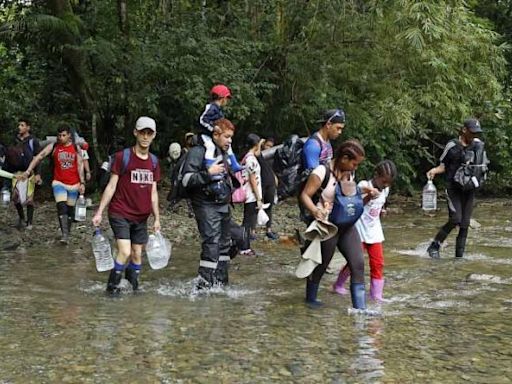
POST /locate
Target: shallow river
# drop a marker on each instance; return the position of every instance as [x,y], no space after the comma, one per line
[446,321]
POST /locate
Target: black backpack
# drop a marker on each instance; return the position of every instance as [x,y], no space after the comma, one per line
[473,172]
[178,190]
[288,166]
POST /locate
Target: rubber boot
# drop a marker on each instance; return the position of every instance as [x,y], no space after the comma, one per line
[460,243]
[132,275]
[376,288]
[221,273]
[113,281]
[21,216]
[338,286]
[71,218]
[358,294]
[63,221]
[30,216]
[433,249]
[311,293]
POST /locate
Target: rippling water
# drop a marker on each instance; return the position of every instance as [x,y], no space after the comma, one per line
[446,321]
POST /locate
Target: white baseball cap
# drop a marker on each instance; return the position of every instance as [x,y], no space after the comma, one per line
[145,122]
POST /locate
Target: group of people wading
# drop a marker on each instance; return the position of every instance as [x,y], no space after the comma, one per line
[330,198]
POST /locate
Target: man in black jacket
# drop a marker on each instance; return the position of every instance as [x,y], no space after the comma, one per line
[210,195]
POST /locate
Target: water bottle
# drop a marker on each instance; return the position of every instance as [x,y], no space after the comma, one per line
[6,197]
[158,250]
[102,252]
[81,209]
[429,198]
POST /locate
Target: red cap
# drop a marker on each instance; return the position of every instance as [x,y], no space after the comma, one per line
[220,90]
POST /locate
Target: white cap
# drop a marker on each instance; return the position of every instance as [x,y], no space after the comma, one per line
[144,122]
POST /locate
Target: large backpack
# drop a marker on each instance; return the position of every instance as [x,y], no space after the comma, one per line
[473,172]
[288,166]
[17,157]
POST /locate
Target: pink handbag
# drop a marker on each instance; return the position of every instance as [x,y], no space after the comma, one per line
[239,195]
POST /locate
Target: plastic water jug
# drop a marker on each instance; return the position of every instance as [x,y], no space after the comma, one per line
[158,250]
[6,197]
[102,252]
[81,209]
[429,197]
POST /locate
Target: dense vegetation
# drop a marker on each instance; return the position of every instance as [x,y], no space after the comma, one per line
[407,72]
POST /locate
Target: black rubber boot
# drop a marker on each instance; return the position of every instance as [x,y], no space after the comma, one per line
[21,216]
[63,221]
[30,216]
[132,275]
[358,295]
[311,294]
[221,273]
[460,243]
[113,282]
[71,217]
[433,249]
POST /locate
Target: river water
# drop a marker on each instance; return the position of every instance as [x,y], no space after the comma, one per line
[446,321]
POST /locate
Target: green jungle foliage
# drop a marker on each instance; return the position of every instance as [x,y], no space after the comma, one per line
[406,72]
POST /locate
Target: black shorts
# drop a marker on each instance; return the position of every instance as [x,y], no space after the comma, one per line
[125,229]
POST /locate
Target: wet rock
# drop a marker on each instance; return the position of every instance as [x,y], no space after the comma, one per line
[474,224]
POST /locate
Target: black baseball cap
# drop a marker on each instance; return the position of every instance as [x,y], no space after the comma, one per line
[473,125]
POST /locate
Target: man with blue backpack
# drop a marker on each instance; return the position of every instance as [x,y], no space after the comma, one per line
[18,158]
[131,196]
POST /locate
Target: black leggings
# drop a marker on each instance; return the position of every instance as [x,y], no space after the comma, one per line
[460,208]
[250,216]
[349,244]
[268,198]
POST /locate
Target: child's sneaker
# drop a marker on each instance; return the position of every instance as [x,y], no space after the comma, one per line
[272,235]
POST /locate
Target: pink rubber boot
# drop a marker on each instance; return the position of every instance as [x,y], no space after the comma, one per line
[376,288]
[338,286]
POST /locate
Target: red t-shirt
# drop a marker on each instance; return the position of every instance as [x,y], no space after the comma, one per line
[132,198]
[65,164]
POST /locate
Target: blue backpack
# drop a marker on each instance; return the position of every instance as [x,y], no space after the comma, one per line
[126,158]
[346,209]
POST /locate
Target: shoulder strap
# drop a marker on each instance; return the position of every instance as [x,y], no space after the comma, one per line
[126,159]
[327,176]
[315,136]
[154,160]
[31,145]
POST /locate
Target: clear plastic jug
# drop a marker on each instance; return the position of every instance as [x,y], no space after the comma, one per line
[81,209]
[429,197]
[102,252]
[158,250]
[6,197]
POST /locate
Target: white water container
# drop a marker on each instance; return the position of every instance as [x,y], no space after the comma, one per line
[6,197]
[102,252]
[429,197]
[80,209]
[158,250]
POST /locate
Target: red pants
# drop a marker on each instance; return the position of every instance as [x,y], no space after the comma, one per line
[376,258]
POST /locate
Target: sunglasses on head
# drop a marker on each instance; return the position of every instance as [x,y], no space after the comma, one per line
[336,113]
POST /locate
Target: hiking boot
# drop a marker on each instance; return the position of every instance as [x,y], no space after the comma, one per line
[433,249]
